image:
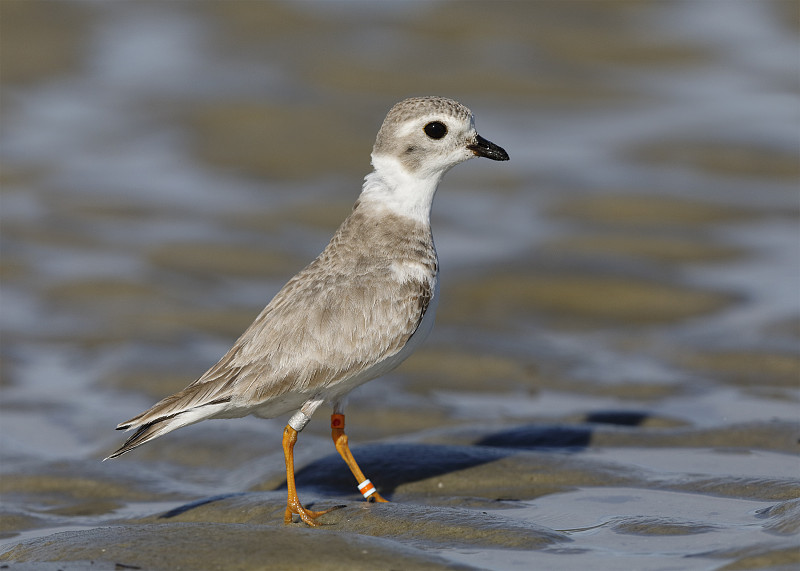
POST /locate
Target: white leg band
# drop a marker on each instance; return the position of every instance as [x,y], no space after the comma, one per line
[366,488]
[299,421]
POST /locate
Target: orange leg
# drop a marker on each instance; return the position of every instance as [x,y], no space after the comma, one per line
[340,441]
[293,505]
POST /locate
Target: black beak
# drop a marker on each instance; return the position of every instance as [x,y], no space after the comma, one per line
[483,148]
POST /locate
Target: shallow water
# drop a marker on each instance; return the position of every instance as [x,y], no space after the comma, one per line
[614,377]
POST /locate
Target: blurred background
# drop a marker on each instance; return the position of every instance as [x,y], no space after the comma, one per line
[167,166]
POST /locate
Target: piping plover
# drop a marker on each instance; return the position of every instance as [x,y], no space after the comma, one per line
[355,312]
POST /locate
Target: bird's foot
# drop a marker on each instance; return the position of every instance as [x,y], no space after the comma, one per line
[306,515]
[376,497]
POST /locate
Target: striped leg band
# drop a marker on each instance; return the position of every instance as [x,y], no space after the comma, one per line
[366,488]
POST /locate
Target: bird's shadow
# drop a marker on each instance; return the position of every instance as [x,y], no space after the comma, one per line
[196,504]
[391,465]
[394,464]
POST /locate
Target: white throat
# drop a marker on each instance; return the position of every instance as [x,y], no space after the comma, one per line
[390,185]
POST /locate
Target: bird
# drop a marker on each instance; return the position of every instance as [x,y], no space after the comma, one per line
[354,313]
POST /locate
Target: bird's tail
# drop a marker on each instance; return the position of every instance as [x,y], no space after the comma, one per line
[144,434]
[176,411]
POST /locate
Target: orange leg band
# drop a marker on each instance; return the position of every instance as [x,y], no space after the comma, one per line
[367,489]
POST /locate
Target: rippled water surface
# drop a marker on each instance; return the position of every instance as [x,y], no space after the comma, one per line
[614,378]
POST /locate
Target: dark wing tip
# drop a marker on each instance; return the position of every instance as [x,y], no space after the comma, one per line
[142,435]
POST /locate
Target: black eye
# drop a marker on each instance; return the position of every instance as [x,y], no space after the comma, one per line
[435,130]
